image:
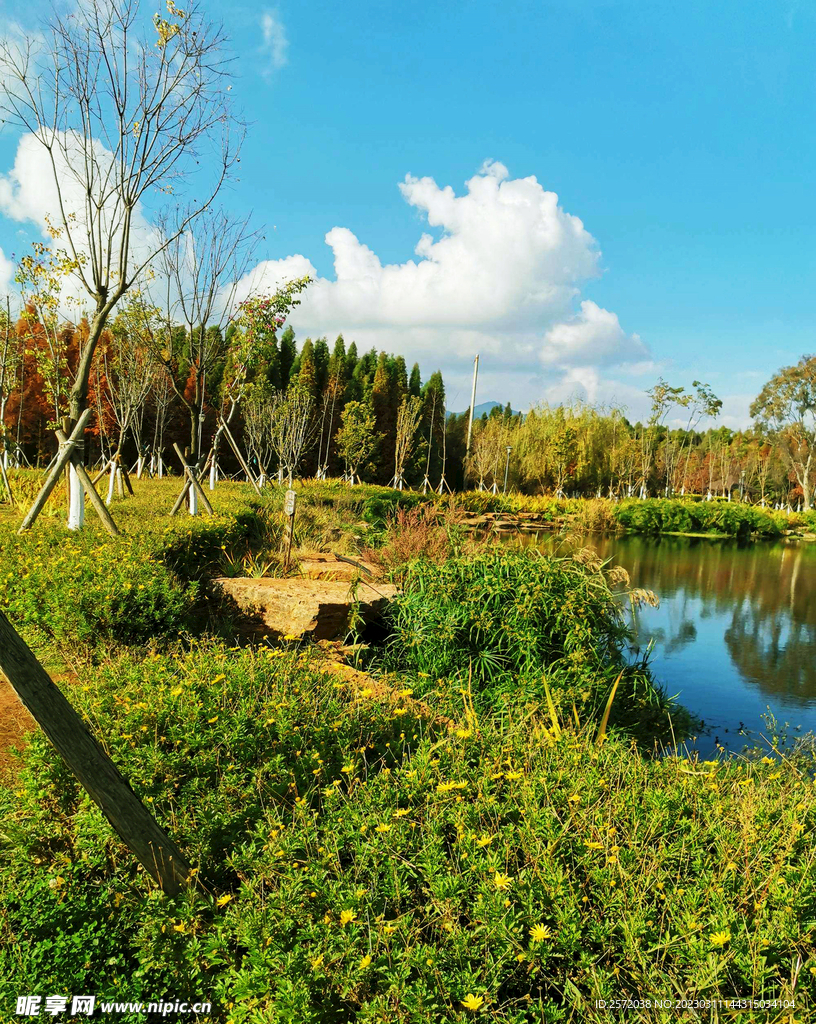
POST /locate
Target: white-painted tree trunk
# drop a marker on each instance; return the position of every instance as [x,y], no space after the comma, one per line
[213,475]
[161,467]
[139,467]
[76,500]
[111,483]
[193,501]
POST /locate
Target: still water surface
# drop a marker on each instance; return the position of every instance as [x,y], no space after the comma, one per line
[735,633]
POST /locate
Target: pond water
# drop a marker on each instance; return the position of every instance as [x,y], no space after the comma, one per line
[735,633]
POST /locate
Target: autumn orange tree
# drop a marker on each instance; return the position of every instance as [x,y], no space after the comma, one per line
[785,410]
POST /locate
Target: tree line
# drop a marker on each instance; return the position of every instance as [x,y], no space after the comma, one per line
[321,409]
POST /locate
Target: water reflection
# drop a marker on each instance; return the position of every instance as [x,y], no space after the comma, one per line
[735,632]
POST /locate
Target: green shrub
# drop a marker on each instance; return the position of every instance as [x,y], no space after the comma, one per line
[82,591]
[502,621]
[671,515]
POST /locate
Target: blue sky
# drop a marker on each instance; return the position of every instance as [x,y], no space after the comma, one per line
[682,136]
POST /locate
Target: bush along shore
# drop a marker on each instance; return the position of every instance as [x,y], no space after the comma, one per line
[491,822]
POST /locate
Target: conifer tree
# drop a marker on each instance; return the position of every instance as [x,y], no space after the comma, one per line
[415,382]
[288,354]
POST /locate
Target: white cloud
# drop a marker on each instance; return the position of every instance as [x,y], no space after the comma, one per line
[275,41]
[28,194]
[593,337]
[6,274]
[501,276]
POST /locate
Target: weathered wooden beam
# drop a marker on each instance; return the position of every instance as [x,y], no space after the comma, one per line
[61,461]
[106,785]
[240,457]
[99,506]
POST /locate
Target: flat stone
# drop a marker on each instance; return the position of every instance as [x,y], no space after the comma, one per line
[330,567]
[314,609]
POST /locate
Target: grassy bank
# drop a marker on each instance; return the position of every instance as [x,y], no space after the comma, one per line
[479,835]
[362,864]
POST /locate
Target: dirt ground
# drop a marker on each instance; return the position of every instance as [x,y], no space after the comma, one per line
[15,724]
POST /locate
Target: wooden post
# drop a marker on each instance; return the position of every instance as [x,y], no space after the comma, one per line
[240,457]
[123,468]
[289,511]
[192,476]
[101,473]
[61,461]
[90,490]
[60,722]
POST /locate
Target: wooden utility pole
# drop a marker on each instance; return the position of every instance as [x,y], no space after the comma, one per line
[60,722]
[472,405]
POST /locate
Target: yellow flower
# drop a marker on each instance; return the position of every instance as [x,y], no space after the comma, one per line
[448,787]
[463,733]
[502,882]
[513,776]
[389,929]
[224,900]
[594,846]
[365,962]
[471,1002]
[540,933]
[483,840]
[404,693]
[317,962]
[346,916]
[383,828]
[180,927]
[720,938]
[575,799]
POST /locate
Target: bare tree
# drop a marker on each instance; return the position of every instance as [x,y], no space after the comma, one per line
[408,416]
[123,112]
[200,270]
[258,426]
[130,368]
[10,362]
[293,428]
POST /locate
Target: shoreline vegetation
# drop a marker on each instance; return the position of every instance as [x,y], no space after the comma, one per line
[487,815]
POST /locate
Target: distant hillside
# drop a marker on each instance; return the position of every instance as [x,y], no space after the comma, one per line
[483,407]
